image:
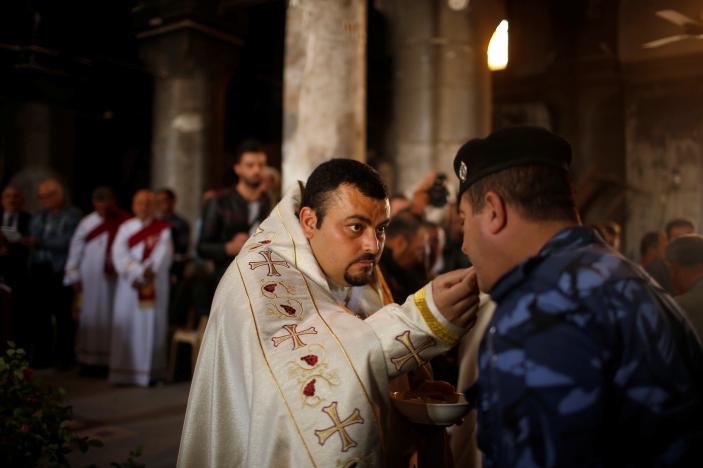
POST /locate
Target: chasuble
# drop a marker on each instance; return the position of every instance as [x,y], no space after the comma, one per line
[287,375]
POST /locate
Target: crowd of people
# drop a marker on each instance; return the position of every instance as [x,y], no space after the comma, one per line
[567,345]
[105,290]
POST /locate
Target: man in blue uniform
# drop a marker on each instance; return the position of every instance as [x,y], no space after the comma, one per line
[586,361]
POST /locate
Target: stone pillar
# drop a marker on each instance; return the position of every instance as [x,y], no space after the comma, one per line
[441,88]
[190,70]
[34,133]
[463,83]
[324,85]
[412,129]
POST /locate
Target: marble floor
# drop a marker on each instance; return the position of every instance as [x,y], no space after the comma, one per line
[124,418]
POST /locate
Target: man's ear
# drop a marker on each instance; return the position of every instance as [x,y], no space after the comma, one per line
[234,168]
[495,213]
[308,221]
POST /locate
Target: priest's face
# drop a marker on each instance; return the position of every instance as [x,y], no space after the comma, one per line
[349,241]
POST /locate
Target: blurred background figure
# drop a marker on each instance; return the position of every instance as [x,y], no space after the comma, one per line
[685,256]
[180,230]
[231,217]
[13,265]
[610,232]
[91,274]
[271,184]
[142,256]
[403,259]
[180,236]
[653,258]
[679,227]
[51,230]
[452,256]
[399,202]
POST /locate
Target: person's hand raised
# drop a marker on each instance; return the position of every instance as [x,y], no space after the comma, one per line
[456,296]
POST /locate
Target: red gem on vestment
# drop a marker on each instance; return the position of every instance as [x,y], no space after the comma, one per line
[288,309]
[309,389]
[310,359]
[271,287]
[265,242]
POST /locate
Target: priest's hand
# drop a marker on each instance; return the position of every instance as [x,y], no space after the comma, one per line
[456,296]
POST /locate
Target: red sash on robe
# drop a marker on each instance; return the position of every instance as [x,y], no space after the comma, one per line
[150,235]
[110,225]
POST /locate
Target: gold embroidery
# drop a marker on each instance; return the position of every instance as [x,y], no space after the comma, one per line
[339,426]
[439,330]
[288,309]
[294,335]
[269,238]
[371,404]
[268,366]
[414,353]
[305,371]
[269,262]
[270,288]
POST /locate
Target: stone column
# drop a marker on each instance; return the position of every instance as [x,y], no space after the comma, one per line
[463,83]
[188,68]
[324,85]
[441,88]
[411,138]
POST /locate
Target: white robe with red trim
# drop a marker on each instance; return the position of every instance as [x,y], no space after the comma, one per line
[86,264]
[138,345]
[287,376]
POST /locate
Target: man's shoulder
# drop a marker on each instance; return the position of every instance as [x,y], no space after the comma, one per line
[129,223]
[90,219]
[179,221]
[585,269]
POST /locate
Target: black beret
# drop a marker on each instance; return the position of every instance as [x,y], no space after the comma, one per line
[508,147]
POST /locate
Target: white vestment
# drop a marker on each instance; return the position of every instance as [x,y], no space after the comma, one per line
[287,376]
[138,345]
[463,437]
[86,265]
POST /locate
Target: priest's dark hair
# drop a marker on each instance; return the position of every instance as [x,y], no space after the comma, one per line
[328,176]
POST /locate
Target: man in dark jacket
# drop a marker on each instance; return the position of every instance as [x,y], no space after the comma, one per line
[230,218]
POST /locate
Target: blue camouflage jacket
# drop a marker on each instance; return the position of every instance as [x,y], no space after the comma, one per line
[587,362]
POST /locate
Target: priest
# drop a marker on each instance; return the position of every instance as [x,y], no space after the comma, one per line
[299,349]
[90,272]
[141,255]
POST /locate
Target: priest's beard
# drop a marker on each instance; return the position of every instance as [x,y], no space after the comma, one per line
[363,278]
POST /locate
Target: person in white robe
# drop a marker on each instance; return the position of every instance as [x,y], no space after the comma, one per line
[90,271]
[141,254]
[288,375]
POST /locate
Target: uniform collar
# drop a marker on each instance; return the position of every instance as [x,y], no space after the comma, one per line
[566,239]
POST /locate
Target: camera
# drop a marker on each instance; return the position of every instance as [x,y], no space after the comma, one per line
[438,192]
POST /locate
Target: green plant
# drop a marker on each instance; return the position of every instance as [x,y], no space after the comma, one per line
[32,418]
[131,461]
